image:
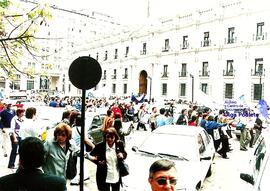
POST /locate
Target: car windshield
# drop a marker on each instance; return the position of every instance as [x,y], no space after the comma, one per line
[171,145]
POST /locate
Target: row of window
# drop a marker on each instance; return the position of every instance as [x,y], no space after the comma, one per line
[229,71]
[230,39]
[228,90]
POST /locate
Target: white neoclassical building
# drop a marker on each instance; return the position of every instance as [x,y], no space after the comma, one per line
[221,51]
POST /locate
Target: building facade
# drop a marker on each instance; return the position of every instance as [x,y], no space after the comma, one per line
[220,51]
[216,53]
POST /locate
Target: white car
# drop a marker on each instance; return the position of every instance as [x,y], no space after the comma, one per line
[260,163]
[191,148]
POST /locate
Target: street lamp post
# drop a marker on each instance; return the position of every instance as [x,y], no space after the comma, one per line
[192,87]
[150,94]
[260,82]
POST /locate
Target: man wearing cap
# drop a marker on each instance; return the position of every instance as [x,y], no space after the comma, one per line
[6,115]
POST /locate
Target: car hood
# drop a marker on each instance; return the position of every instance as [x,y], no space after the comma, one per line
[188,173]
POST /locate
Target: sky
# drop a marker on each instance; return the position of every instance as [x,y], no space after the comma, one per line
[133,11]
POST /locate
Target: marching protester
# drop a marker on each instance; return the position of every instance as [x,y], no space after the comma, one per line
[118,125]
[153,118]
[161,118]
[5,118]
[183,118]
[15,137]
[245,134]
[258,128]
[30,127]
[108,120]
[214,129]
[193,121]
[141,115]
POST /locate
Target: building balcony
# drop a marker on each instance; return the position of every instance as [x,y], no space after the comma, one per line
[125,76]
[205,43]
[104,77]
[184,46]
[143,52]
[165,49]
[114,76]
[230,40]
[228,72]
[258,73]
[182,74]
[204,73]
[262,36]
[164,75]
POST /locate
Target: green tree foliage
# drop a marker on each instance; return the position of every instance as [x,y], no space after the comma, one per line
[19,26]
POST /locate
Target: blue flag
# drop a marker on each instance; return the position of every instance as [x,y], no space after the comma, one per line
[263,108]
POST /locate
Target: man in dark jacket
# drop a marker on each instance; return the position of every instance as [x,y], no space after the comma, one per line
[210,126]
[5,118]
[29,177]
[183,118]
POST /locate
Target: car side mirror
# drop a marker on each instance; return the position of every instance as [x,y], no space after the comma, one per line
[134,148]
[246,177]
[205,158]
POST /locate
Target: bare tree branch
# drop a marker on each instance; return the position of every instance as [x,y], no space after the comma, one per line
[9,60]
[13,16]
[16,38]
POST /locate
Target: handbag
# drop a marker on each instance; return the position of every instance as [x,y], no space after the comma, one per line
[71,166]
[123,168]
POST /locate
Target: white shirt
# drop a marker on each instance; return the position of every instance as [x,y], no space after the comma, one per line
[13,122]
[30,128]
[112,170]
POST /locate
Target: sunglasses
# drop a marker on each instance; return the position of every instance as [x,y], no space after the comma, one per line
[163,181]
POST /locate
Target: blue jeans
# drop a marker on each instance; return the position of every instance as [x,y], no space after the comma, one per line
[13,154]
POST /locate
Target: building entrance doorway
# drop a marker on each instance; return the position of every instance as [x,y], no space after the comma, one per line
[143,82]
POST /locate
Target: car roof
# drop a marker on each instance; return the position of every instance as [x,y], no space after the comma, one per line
[179,129]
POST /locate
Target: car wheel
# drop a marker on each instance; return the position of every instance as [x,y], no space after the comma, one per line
[209,172]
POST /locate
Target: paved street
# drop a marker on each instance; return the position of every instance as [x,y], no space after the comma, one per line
[225,175]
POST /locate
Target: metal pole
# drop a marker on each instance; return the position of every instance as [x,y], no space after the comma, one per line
[260,86]
[192,88]
[150,96]
[82,141]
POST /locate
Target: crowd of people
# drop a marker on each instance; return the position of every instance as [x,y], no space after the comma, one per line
[19,125]
[19,128]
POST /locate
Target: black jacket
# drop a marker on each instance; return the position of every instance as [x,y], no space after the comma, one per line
[100,152]
[181,120]
[32,180]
